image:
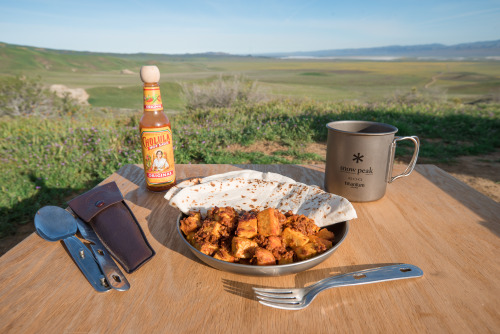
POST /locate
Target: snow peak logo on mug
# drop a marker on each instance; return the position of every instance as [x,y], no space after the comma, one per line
[355,179]
[359,159]
[350,170]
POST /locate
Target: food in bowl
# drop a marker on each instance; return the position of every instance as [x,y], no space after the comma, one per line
[257,237]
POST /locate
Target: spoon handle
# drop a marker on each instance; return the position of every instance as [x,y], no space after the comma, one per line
[87,264]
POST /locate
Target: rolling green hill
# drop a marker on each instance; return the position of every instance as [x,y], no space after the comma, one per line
[112,79]
[20,59]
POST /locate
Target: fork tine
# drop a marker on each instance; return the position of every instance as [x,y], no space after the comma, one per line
[284,306]
[275,295]
[267,290]
[292,301]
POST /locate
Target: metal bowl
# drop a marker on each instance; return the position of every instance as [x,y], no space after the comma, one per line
[340,230]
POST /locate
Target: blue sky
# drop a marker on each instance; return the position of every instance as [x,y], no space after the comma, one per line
[244,27]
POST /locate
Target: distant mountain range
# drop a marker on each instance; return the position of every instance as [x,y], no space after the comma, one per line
[465,50]
[16,58]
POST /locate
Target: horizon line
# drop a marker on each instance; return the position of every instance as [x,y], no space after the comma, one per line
[268,53]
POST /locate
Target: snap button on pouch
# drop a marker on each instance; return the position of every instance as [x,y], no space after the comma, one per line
[99,203]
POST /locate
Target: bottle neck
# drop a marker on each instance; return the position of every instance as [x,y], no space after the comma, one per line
[154,112]
[152,98]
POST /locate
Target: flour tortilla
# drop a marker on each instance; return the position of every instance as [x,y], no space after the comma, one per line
[247,190]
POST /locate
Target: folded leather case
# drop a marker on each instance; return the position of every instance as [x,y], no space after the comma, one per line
[114,223]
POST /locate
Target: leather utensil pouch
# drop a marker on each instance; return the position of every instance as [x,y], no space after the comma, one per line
[115,224]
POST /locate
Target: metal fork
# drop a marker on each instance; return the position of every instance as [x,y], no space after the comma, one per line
[299,298]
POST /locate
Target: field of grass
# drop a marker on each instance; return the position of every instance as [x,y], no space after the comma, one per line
[131,96]
[319,80]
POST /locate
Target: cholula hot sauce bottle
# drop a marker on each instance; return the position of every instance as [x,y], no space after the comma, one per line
[156,135]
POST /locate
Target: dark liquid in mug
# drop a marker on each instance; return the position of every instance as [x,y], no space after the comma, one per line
[375,128]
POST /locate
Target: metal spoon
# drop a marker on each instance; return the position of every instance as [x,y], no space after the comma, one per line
[53,223]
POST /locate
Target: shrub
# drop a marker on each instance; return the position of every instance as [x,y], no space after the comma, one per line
[25,96]
[222,93]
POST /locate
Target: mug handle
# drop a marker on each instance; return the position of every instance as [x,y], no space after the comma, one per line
[412,163]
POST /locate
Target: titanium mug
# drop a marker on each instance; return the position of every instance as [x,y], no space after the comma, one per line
[360,158]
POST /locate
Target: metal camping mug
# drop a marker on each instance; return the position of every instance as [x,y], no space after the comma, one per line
[360,157]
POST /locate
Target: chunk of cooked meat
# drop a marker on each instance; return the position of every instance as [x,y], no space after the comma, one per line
[263,257]
[243,248]
[294,238]
[302,224]
[191,223]
[268,223]
[325,234]
[247,225]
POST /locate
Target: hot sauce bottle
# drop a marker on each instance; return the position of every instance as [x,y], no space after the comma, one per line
[156,135]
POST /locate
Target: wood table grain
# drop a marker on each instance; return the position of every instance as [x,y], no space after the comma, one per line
[429,219]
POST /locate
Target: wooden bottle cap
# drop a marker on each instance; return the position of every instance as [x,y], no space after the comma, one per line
[150,74]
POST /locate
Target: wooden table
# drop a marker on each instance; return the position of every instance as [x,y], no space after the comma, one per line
[429,219]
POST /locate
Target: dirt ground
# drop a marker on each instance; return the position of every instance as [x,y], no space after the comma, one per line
[78,94]
[479,172]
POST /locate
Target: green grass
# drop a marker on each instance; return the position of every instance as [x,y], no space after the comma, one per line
[20,58]
[489,87]
[131,96]
[321,80]
[47,161]
[116,97]
[314,74]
